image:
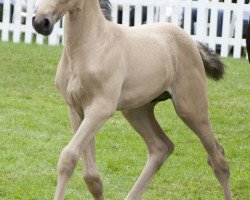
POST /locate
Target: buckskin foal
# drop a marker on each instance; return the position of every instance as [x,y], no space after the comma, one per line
[107,67]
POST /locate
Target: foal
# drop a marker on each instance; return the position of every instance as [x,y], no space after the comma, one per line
[107,67]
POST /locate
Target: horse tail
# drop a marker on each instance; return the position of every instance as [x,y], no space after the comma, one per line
[214,68]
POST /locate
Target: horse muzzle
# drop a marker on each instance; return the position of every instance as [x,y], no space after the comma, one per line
[43,25]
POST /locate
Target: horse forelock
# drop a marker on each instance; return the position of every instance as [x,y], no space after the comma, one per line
[106,9]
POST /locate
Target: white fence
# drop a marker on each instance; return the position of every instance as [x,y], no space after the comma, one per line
[219,24]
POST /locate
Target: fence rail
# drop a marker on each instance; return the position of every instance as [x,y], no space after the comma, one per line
[219,24]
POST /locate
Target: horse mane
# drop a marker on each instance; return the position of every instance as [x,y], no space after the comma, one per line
[106,9]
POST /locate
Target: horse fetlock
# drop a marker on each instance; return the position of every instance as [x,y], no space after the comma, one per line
[94,184]
[220,167]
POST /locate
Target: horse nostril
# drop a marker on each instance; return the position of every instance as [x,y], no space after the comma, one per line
[46,23]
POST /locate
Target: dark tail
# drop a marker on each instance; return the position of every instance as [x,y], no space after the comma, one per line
[214,68]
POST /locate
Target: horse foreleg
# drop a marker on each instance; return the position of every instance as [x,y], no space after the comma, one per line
[90,173]
[94,117]
[158,144]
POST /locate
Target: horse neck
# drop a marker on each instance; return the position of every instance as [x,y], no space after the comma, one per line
[84,24]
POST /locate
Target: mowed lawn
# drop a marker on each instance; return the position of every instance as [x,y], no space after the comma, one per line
[34,128]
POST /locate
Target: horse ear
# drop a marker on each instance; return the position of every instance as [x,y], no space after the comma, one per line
[248,40]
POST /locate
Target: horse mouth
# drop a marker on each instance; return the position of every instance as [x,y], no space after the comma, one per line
[43,25]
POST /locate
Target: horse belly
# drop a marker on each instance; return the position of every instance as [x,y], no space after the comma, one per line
[150,73]
[144,87]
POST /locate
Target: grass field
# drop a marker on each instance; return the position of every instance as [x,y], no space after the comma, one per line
[34,128]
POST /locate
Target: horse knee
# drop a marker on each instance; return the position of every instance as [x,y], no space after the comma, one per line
[67,162]
[222,167]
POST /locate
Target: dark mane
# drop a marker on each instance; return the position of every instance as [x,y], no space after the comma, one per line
[106,9]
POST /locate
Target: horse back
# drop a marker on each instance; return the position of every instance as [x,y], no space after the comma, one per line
[154,56]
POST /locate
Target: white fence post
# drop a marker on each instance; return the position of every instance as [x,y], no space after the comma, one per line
[201,26]
[150,14]
[225,29]
[126,14]
[176,12]
[6,20]
[54,38]
[188,16]
[214,5]
[138,14]
[163,11]
[28,26]
[114,11]
[238,31]
[17,22]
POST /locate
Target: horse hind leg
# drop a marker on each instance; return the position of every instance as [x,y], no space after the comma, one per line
[190,102]
[158,144]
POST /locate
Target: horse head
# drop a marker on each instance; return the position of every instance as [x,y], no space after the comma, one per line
[48,12]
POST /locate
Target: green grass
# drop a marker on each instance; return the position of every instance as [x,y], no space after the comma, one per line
[34,128]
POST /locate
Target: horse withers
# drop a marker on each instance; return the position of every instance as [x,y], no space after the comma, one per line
[107,67]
